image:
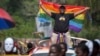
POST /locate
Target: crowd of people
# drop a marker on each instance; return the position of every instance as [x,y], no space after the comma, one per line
[58,49]
[88,48]
[14,46]
[84,48]
[61,27]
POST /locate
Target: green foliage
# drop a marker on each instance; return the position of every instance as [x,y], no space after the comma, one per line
[90,30]
[91,33]
[25,11]
[13,5]
[25,23]
[23,28]
[3,3]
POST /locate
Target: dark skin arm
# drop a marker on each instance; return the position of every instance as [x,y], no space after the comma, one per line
[45,10]
[75,14]
[79,12]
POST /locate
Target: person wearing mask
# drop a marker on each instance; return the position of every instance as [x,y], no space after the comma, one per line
[10,46]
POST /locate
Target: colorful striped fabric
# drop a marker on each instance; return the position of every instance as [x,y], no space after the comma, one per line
[75,24]
[61,38]
[6,21]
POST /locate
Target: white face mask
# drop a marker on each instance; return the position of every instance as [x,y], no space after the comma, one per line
[8,44]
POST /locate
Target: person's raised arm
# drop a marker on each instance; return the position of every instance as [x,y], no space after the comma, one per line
[79,12]
[44,9]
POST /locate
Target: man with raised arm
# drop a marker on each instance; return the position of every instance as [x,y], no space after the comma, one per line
[61,19]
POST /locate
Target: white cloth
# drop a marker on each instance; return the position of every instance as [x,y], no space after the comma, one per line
[98,41]
[89,44]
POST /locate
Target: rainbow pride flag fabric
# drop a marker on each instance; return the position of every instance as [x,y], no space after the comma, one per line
[75,24]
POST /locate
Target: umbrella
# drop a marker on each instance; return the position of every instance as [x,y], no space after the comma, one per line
[6,21]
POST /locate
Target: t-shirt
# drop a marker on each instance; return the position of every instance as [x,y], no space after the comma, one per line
[62,21]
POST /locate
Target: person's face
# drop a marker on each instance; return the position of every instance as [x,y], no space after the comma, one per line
[53,49]
[63,48]
[53,52]
[79,52]
[8,45]
[62,10]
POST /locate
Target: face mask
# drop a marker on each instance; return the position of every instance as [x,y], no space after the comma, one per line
[8,44]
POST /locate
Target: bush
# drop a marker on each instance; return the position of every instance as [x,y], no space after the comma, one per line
[91,33]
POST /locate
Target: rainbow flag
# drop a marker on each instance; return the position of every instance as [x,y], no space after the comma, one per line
[75,24]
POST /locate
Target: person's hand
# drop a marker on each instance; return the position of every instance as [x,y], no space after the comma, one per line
[87,8]
[40,2]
